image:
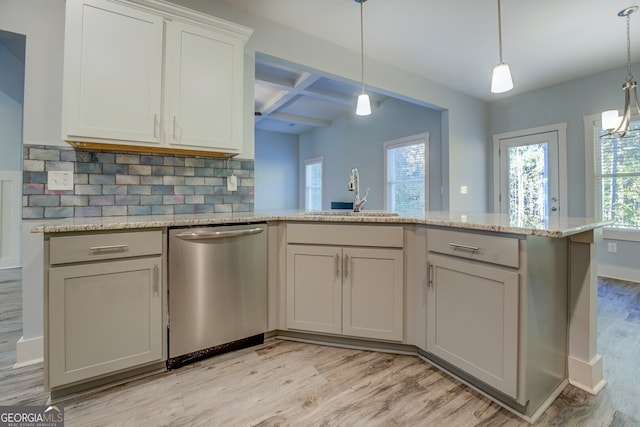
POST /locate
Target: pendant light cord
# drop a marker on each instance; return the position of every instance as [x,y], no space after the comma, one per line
[500,31]
[629,76]
[362,46]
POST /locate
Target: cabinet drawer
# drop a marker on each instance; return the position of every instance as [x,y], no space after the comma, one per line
[102,246]
[383,236]
[493,249]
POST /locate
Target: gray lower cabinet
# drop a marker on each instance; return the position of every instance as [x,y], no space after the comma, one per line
[349,290]
[104,316]
[472,320]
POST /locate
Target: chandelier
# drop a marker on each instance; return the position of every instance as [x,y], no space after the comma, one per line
[611,122]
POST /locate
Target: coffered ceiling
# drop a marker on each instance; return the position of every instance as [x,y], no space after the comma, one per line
[293,100]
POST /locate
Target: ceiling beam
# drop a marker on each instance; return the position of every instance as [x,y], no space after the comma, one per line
[294,118]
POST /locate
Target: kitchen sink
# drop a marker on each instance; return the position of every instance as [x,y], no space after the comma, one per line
[349,213]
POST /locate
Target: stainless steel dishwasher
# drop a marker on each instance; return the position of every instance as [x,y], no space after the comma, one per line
[217,290]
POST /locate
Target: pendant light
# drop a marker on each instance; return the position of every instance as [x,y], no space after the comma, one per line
[501,80]
[363,107]
[611,123]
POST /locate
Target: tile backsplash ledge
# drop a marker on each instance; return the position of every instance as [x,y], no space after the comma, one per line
[110,183]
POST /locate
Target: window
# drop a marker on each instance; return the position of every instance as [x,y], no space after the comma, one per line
[613,169]
[313,184]
[405,171]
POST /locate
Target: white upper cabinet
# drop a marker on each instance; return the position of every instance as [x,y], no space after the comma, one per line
[113,72]
[152,74]
[204,80]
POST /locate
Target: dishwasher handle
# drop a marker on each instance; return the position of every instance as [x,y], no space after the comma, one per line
[207,235]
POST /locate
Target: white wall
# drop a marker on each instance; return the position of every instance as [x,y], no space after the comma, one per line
[276,171]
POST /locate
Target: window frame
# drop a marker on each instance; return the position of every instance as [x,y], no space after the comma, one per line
[307,187]
[592,123]
[404,142]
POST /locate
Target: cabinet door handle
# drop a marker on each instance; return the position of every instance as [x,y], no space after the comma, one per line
[155,126]
[108,248]
[346,265]
[174,128]
[466,247]
[430,282]
[156,282]
[337,264]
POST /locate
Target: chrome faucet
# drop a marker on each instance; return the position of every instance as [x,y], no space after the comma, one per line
[354,185]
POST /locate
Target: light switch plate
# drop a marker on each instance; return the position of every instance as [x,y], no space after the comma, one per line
[232,183]
[59,180]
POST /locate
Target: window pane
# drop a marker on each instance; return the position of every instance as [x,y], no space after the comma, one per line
[617,174]
[621,200]
[406,177]
[313,186]
[408,197]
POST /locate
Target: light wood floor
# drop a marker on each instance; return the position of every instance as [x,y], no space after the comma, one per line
[288,383]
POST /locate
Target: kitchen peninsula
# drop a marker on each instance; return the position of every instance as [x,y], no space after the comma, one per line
[507,308]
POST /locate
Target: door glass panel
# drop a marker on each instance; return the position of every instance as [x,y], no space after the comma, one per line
[528,179]
[528,184]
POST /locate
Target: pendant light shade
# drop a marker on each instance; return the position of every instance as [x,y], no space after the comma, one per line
[611,122]
[610,119]
[363,106]
[501,80]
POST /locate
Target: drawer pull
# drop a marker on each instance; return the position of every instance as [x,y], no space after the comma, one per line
[464,247]
[108,248]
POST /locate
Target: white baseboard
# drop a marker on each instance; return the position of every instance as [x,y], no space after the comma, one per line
[587,376]
[620,273]
[29,352]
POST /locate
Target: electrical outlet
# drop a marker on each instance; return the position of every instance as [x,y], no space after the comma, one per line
[463,189]
[612,247]
[232,183]
[59,180]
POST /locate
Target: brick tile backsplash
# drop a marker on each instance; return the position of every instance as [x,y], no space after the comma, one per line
[120,184]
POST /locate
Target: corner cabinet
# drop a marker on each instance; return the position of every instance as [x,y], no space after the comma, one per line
[345,279]
[150,74]
[104,305]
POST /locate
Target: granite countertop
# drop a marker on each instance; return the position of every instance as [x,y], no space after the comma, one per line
[554,227]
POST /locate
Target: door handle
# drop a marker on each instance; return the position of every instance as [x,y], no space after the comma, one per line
[156,282]
[208,235]
[337,264]
[108,248]
[346,265]
[461,246]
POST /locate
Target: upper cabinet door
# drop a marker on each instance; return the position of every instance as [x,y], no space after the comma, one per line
[203,88]
[113,72]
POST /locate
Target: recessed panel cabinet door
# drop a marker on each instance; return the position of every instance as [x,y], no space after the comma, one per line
[472,320]
[372,293]
[314,288]
[103,317]
[113,72]
[204,81]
